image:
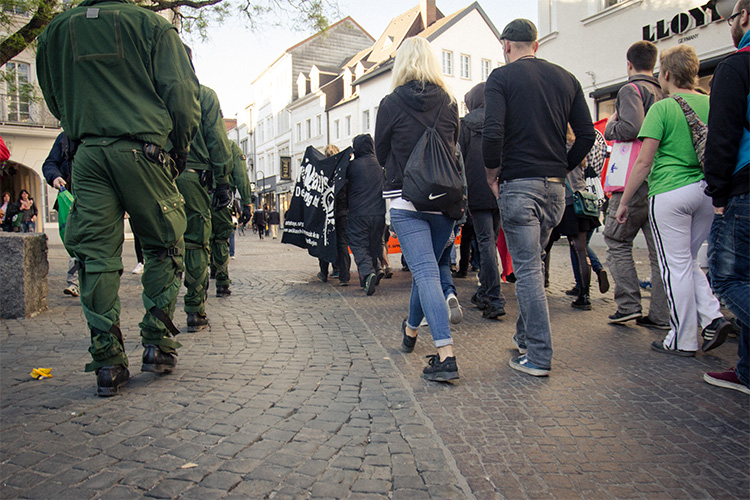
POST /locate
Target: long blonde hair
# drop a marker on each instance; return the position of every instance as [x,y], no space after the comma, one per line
[415,60]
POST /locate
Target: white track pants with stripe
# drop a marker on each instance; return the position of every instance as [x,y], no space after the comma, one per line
[681,220]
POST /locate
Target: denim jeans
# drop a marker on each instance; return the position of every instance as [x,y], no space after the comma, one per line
[486,225]
[729,266]
[423,238]
[529,210]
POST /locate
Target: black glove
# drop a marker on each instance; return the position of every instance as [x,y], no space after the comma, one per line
[221,196]
[179,160]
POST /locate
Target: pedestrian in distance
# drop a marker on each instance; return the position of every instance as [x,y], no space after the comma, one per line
[419,96]
[529,103]
[680,212]
[274,219]
[123,108]
[727,174]
[633,101]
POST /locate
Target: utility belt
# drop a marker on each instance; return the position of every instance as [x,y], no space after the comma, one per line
[205,177]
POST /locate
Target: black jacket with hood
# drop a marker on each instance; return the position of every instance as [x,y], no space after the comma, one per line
[470,140]
[364,180]
[396,131]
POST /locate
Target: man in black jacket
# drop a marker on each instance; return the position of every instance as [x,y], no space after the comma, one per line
[364,185]
[482,205]
[529,104]
[727,171]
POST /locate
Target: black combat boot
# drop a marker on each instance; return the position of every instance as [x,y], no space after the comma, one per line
[109,379]
[196,321]
[582,302]
[157,361]
[223,291]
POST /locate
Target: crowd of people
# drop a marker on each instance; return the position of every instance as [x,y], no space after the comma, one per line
[513,172]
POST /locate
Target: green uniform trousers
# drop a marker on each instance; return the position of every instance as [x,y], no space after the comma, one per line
[110,177]
[197,236]
[221,229]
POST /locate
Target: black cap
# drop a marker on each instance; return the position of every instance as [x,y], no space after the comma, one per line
[519,30]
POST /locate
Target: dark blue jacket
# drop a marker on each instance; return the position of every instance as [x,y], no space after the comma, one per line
[59,163]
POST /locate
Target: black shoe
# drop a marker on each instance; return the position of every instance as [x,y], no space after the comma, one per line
[223,291]
[440,371]
[380,276]
[582,302]
[646,322]
[619,318]
[716,333]
[370,283]
[388,273]
[601,276]
[461,273]
[481,303]
[407,343]
[196,321]
[511,278]
[157,361]
[658,346]
[344,283]
[573,292]
[493,312]
[109,379]
[322,277]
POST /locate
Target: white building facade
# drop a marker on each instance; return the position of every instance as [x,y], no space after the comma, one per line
[591,37]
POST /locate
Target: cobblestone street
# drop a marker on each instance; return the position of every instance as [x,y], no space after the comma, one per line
[299,389]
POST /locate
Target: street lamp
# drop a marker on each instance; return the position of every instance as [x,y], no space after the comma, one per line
[263,188]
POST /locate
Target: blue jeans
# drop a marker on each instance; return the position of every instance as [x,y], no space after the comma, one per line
[486,225]
[423,238]
[529,210]
[29,226]
[729,267]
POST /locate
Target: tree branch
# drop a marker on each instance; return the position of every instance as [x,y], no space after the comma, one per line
[18,41]
[159,5]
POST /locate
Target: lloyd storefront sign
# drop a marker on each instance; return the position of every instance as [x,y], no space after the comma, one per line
[682,23]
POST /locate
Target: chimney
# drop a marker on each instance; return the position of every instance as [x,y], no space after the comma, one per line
[428,11]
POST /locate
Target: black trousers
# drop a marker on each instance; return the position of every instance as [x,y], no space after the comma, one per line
[366,241]
[343,261]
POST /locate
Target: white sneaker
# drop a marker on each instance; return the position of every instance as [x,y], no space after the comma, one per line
[72,290]
[454,309]
[138,269]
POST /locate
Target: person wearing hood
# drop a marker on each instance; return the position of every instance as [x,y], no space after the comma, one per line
[418,90]
[482,205]
[364,184]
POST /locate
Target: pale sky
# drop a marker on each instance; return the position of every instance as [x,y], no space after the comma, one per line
[234,56]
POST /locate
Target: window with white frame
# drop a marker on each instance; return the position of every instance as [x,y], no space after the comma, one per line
[298,131]
[319,125]
[269,124]
[366,120]
[336,129]
[486,69]
[447,62]
[308,128]
[261,129]
[465,66]
[348,125]
[243,146]
[605,4]
[17,99]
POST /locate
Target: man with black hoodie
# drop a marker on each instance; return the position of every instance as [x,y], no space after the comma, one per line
[482,205]
[364,184]
[529,104]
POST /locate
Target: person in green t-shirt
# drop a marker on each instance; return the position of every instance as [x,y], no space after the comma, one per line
[679,210]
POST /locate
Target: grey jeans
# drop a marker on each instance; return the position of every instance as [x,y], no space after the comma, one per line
[486,225]
[619,239]
[529,210]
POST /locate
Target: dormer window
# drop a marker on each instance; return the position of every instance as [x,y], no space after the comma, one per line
[388,41]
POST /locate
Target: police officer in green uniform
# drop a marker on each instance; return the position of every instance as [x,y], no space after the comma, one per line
[222,225]
[208,162]
[118,78]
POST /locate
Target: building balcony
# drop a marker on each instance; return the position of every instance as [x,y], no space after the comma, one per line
[15,110]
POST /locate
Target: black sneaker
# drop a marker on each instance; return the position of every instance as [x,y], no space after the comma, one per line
[601,276]
[157,361]
[196,322]
[322,277]
[461,273]
[109,379]
[582,302]
[511,278]
[648,323]
[619,318]
[223,291]
[370,283]
[716,333]
[407,343]
[380,276]
[658,346]
[481,303]
[573,292]
[440,371]
[493,312]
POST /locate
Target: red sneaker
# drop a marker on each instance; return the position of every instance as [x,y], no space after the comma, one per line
[727,379]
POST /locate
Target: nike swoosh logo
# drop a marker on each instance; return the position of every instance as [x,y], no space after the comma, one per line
[435,197]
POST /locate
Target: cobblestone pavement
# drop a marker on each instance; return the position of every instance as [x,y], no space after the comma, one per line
[299,390]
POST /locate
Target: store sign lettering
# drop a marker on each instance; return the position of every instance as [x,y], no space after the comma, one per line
[682,22]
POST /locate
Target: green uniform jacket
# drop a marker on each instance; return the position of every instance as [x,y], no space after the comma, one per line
[239,180]
[210,147]
[142,87]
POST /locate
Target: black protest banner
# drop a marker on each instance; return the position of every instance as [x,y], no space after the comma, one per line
[310,222]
